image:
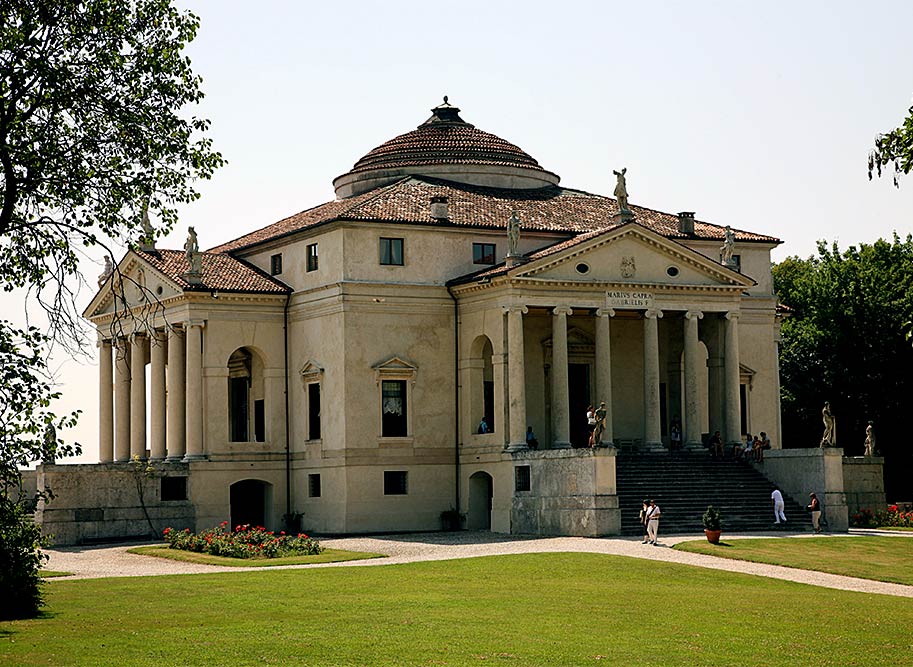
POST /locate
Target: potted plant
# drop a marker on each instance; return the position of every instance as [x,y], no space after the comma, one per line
[713,524]
[452,519]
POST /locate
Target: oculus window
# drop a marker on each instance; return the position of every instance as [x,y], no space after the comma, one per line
[391,252]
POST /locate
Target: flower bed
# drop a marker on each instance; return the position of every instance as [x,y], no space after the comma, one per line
[893,517]
[243,542]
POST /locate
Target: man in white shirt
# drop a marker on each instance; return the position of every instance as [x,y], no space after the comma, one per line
[776,499]
[653,515]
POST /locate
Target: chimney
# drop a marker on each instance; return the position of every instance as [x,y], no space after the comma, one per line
[686,222]
[439,208]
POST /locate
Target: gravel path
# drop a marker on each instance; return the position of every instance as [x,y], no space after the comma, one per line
[114,561]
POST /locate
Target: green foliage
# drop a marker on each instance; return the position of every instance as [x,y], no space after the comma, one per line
[21,558]
[712,520]
[243,542]
[894,149]
[892,517]
[845,342]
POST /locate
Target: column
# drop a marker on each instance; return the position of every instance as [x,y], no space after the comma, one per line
[194,396]
[731,373]
[692,380]
[138,396]
[561,420]
[176,408]
[604,369]
[516,377]
[652,431]
[157,388]
[105,403]
[122,400]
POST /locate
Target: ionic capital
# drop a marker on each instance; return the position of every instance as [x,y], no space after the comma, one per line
[652,313]
[694,314]
[562,310]
[733,315]
[515,309]
[605,312]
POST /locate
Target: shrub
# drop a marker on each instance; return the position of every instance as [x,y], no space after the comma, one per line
[243,542]
[892,516]
[712,519]
[21,558]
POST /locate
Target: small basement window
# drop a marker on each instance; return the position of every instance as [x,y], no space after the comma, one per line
[395,483]
[174,488]
[314,485]
[522,478]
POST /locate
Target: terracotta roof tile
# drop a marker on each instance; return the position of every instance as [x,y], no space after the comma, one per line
[548,209]
[220,272]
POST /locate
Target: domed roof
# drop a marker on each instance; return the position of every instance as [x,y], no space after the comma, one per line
[446,146]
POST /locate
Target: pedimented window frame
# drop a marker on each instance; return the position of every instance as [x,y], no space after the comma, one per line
[395,368]
[312,373]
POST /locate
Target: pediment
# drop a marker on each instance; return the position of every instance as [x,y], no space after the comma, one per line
[311,371]
[630,254]
[395,368]
[133,283]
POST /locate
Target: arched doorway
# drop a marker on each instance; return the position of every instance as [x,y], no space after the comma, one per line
[480,493]
[249,502]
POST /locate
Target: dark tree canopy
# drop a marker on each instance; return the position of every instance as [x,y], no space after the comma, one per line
[846,342]
[894,150]
[95,126]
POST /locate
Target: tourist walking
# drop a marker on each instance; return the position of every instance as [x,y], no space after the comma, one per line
[653,515]
[644,518]
[815,508]
[776,499]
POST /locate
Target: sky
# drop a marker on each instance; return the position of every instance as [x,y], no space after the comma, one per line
[756,115]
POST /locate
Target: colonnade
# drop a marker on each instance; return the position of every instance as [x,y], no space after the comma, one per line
[560,412]
[176,391]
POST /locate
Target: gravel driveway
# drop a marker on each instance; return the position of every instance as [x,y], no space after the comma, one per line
[114,561]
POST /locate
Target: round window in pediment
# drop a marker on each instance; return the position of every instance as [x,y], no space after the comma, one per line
[583,268]
[672,271]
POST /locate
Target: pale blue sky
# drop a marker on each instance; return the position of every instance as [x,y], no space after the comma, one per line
[757,115]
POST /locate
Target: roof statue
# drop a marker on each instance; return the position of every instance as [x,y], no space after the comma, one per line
[106,272]
[513,234]
[621,189]
[728,247]
[147,240]
[194,258]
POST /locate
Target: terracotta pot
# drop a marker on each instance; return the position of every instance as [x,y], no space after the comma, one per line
[713,536]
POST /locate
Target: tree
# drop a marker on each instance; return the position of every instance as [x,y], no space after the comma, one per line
[93,130]
[894,149]
[846,343]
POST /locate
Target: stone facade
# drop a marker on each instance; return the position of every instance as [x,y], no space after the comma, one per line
[863,483]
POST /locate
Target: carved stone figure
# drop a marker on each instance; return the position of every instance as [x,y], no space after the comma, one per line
[106,272]
[600,424]
[628,267]
[513,234]
[829,439]
[49,444]
[148,240]
[621,190]
[728,247]
[192,250]
[870,440]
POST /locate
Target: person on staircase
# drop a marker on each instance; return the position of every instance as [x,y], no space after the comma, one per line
[716,442]
[776,499]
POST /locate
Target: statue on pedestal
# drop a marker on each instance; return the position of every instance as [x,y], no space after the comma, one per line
[829,439]
[147,241]
[728,247]
[513,234]
[192,250]
[621,190]
[870,440]
[106,272]
[600,415]
[49,444]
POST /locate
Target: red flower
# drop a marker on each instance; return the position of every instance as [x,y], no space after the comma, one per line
[166,531]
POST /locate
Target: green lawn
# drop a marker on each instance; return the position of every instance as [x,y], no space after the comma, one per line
[537,609]
[49,574]
[327,556]
[870,557]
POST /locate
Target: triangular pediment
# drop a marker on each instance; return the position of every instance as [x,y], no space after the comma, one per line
[394,364]
[629,254]
[133,283]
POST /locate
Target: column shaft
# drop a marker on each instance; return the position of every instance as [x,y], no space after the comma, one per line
[122,400]
[561,422]
[604,369]
[516,378]
[731,373]
[105,403]
[692,380]
[652,430]
[194,396]
[157,388]
[176,407]
[138,396]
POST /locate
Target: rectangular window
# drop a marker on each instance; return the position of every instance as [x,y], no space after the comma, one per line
[314,411]
[737,261]
[395,483]
[259,420]
[275,264]
[313,486]
[522,478]
[312,257]
[174,488]
[393,409]
[391,252]
[483,253]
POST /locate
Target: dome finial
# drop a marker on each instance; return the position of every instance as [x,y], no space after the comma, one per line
[445,99]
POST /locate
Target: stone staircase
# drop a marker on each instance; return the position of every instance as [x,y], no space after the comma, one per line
[684,484]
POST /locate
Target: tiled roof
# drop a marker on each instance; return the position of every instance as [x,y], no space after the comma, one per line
[548,209]
[220,272]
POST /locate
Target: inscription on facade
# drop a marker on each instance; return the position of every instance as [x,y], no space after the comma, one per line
[625,299]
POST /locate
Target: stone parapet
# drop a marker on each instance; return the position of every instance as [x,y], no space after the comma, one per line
[571,492]
[863,483]
[799,472]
